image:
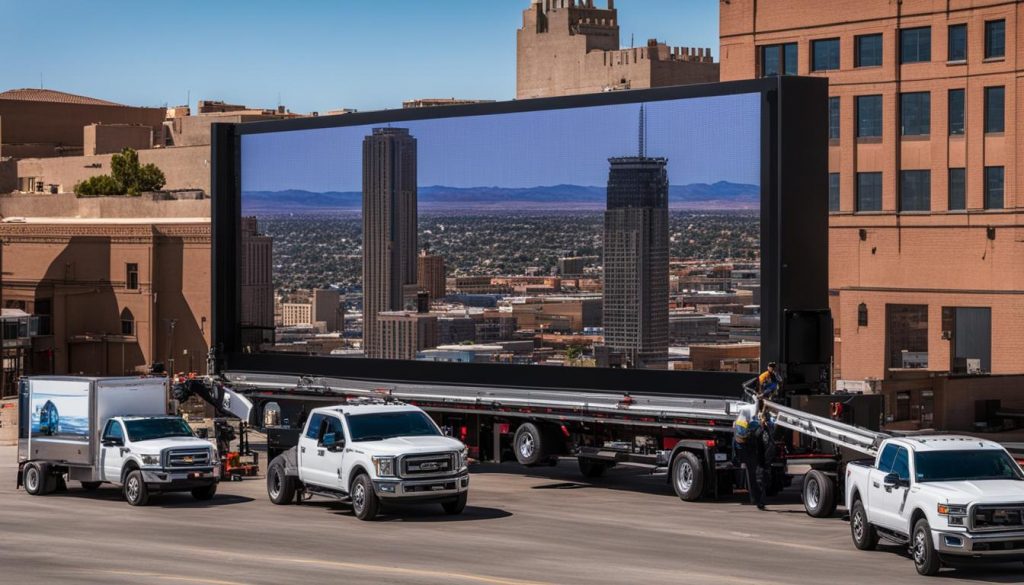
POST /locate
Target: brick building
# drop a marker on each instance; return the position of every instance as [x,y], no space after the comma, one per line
[926,226]
[568,47]
[430,274]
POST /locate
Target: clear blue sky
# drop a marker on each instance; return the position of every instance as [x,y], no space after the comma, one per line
[317,55]
[705,140]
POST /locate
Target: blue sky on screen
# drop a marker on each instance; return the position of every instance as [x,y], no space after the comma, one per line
[705,139]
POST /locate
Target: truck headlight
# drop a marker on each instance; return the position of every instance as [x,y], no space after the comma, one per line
[150,459]
[385,466]
[954,513]
[463,458]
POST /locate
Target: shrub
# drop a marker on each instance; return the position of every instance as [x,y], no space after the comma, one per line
[126,176]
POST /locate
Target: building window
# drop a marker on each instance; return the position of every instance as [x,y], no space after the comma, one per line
[956,112]
[862,315]
[833,118]
[867,51]
[916,45]
[825,55]
[902,405]
[778,59]
[969,331]
[995,39]
[127,322]
[43,313]
[915,190]
[957,43]
[957,190]
[907,335]
[131,276]
[869,191]
[995,101]
[993,187]
[915,113]
[869,116]
[833,191]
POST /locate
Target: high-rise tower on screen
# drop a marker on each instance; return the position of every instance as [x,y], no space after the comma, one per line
[636,258]
[389,228]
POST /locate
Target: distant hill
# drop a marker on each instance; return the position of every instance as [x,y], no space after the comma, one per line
[720,195]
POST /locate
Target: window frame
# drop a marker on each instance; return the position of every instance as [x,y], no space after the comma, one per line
[828,44]
[925,111]
[857,46]
[836,116]
[989,116]
[949,43]
[989,46]
[962,180]
[859,102]
[962,111]
[919,55]
[905,182]
[834,197]
[131,269]
[783,59]
[986,188]
[860,208]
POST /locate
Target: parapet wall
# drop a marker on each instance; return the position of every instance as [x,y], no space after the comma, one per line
[69,205]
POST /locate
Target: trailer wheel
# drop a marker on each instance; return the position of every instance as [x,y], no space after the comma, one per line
[530,446]
[90,486]
[688,476]
[280,485]
[593,468]
[365,503]
[135,491]
[819,494]
[35,479]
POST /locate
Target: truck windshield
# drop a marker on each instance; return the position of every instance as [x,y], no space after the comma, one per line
[386,425]
[972,465]
[144,429]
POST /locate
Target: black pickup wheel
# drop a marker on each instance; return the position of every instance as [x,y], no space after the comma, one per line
[865,537]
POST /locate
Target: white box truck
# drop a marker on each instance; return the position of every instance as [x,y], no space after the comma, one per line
[109,430]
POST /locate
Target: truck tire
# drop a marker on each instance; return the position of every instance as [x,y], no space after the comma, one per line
[529,446]
[456,506]
[365,503]
[205,493]
[688,476]
[592,468]
[865,537]
[37,480]
[135,491]
[819,494]
[926,560]
[91,486]
[280,485]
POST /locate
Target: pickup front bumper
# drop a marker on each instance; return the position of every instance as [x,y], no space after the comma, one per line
[998,546]
[422,489]
[178,480]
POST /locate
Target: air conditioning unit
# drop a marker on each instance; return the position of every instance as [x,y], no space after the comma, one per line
[973,365]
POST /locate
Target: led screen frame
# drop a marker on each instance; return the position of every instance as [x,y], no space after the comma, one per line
[794,242]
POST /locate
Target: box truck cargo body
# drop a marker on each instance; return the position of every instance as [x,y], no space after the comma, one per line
[109,430]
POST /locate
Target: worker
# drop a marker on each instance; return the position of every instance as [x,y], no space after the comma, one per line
[749,448]
[769,382]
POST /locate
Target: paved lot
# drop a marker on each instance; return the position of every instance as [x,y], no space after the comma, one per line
[521,526]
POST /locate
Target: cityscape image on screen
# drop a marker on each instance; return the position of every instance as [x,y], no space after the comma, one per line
[623,236]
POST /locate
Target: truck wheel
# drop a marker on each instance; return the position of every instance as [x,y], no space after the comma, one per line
[135,491]
[280,485]
[865,537]
[926,560]
[529,445]
[364,500]
[456,506]
[34,478]
[205,493]
[688,476]
[592,467]
[819,494]
[90,486]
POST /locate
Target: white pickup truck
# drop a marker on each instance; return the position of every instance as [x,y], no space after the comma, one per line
[372,452]
[949,498]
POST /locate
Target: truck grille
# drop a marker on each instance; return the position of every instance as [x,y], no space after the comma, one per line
[187,458]
[428,465]
[997,517]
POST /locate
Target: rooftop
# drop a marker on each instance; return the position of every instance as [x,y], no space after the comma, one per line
[103,220]
[53,97]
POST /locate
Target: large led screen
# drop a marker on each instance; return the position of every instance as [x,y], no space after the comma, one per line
[613,236]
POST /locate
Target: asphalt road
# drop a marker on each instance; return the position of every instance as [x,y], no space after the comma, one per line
[521,526]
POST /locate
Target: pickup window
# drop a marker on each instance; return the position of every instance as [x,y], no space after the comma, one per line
[887,457]
[385,425]
[901,464]
[157,428]
[313,428]
[977,464]
[113,431]
[331,425]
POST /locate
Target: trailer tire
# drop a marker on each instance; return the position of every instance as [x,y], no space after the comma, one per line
[91,486]
[365,504]
[530,446]
[135,491]
[35,479]
[205,493]
[456,506]
[280,485]
[865,537]
[688,476]
[819,494]
[592,468]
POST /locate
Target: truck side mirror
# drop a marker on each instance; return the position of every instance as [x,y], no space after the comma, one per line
[333,441]
[891,480]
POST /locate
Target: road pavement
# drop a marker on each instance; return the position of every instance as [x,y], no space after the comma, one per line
[522,526]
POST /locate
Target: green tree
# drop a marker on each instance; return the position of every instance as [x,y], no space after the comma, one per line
[573,353]
[98,185]
[126,176]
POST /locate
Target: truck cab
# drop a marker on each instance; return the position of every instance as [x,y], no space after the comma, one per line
[949,498]
[368,453]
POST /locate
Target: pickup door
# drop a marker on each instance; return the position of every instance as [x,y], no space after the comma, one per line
[885,504]
[112,451]
[319,465]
